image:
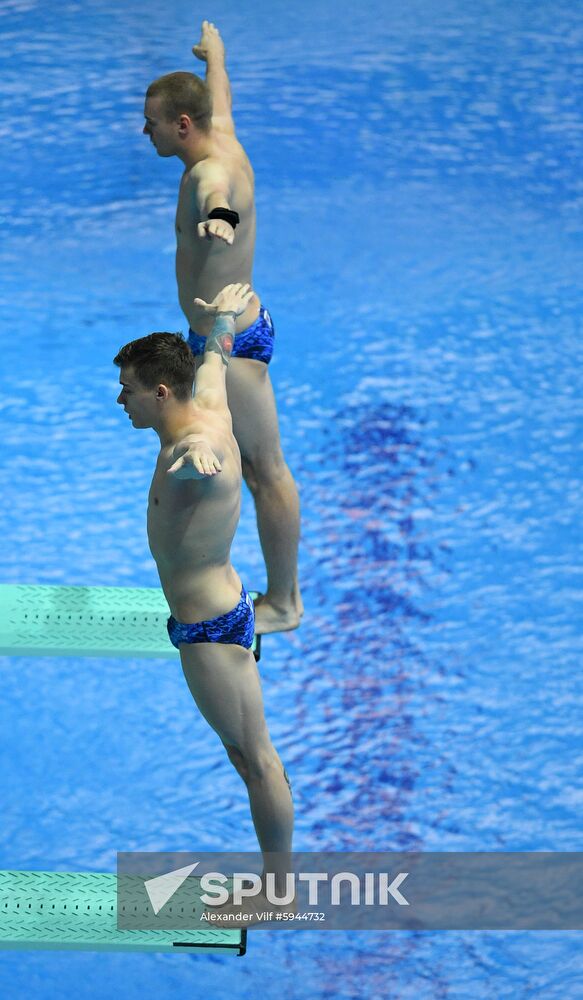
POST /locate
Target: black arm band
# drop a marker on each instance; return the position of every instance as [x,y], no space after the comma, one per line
[226,215]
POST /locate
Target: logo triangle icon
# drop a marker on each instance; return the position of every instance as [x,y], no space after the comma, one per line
[163,887]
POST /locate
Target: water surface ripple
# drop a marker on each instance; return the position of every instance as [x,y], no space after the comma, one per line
[419,223]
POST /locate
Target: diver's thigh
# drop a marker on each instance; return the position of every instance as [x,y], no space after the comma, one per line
[224,682]
[253,409]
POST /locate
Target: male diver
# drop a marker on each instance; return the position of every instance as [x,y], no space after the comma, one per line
[193,510]
[215,240]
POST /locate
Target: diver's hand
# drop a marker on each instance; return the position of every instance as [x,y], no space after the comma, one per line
[194,460]
[232,299]
[220,228]
[210,47]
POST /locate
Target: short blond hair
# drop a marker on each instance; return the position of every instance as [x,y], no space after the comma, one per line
[184,94]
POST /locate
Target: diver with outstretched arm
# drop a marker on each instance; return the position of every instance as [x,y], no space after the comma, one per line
[215,243]
[193,511]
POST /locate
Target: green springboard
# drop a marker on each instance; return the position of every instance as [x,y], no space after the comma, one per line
[78,910]
[41,620]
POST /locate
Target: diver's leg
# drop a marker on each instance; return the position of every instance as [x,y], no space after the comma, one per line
[224,682]
[255,426]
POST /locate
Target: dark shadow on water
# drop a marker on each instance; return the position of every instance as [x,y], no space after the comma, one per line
[371,491]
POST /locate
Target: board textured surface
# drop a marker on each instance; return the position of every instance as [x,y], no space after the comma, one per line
[47,620]
[78,910]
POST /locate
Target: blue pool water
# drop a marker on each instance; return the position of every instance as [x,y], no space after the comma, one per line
[419,246]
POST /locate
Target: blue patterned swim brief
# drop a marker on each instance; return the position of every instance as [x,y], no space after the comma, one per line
[236,627]
[255,342]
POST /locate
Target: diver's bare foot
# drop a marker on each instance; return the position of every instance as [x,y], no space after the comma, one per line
[274,617]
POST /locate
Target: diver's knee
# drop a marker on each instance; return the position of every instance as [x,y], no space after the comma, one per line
[248,470]
[255,762]
[237,760]
[263,470]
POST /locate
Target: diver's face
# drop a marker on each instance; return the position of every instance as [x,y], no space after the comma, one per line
[163,133]
[137,401]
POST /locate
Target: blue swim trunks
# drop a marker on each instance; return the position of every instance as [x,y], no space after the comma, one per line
[255,342]
[236,627]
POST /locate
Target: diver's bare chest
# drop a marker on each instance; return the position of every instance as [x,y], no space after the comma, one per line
[158,502]
[187,213]
[169,496]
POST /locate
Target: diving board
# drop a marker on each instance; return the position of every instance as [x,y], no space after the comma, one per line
[78,910]
[42,620]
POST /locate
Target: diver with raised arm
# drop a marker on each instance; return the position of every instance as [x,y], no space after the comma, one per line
[215,242]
